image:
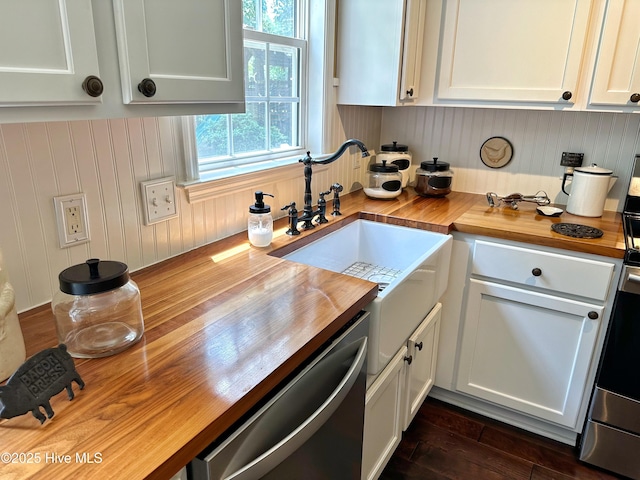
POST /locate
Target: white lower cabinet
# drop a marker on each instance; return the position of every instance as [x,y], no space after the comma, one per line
[527,351]
[383,415]
[421,372]
[397,393]
[521,332]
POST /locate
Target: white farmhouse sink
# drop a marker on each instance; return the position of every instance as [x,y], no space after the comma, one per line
[410,265]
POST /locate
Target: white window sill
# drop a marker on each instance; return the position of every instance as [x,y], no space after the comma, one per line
[232,179]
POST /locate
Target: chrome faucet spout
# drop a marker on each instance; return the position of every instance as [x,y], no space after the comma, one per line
[308,212]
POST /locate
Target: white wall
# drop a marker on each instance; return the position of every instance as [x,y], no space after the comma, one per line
[106,159]
[455,135]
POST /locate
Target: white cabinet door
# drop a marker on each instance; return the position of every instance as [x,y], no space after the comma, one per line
[412,49]
[527,351]
[423,351]
[501,50]
[616,79]
[379,51]
[48,50]
[383,416]
[180,52]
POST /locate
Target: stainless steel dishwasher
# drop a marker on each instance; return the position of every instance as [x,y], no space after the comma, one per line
[311,428]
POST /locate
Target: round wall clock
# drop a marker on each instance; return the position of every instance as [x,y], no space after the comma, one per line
[496,152]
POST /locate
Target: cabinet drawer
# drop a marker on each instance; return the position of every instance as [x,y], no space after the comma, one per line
[560,273]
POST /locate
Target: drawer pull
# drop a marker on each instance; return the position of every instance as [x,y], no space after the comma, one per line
[592,315]
[536,272]
[408,359]
[419,346]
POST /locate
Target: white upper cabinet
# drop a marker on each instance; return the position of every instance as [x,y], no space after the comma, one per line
[529,51]
[92,59]
[380,51]
[186,51]
[616,79]
[47,50]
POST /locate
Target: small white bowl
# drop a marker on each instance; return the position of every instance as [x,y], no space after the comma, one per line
[549,211]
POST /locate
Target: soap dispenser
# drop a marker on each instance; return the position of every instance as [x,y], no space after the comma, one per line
[260,227]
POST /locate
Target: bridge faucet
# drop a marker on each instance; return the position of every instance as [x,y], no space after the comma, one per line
[308,214]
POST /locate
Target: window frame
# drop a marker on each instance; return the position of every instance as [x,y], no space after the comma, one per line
[247,163]
[318,98]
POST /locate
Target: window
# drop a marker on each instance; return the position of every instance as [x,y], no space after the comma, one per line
[275,60]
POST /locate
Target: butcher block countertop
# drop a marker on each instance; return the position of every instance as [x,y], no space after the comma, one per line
[224,325]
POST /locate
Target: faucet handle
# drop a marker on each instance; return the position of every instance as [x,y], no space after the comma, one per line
[337,188]
[291,207]
[322,208]
[293,219]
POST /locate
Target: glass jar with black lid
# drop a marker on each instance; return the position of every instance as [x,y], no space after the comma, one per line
[433,179]
[383,181]
[98,310]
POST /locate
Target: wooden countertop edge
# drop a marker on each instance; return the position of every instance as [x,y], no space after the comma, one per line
[576,245]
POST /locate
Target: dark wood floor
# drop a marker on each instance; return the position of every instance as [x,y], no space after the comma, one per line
[445,442]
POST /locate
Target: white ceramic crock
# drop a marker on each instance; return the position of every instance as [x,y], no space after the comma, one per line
[589,190]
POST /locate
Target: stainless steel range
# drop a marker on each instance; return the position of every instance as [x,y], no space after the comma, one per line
[611,437]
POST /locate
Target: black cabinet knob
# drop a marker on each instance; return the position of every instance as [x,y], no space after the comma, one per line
[592,315]
[93,86]
[147,87]
[419,346]
[408,359]
[410,92]
[635,97]
[536,272]
[567,95]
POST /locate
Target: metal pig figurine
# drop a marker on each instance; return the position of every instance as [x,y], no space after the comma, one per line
[38,379]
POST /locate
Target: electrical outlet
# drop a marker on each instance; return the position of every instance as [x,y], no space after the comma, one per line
[158,200]
[72,220]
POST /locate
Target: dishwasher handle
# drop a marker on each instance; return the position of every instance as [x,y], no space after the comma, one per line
[285,448]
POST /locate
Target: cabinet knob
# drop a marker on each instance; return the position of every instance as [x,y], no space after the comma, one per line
[410,92]
[408,359]
[419,346]
[635,97]
[592,315]
[93,86]
[536,272]
[147,87]
[567,95]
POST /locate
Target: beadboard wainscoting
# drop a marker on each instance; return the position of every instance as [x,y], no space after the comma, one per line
[455,135]
[107,160]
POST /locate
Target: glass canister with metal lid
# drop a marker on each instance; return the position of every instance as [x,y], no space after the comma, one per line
[383,181]
[397,154]
[98,310]
[433,179]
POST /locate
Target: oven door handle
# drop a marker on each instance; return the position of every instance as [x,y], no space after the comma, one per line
[634,278]
[630,280]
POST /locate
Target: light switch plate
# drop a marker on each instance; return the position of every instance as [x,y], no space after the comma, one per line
[158,200]
[72,219]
